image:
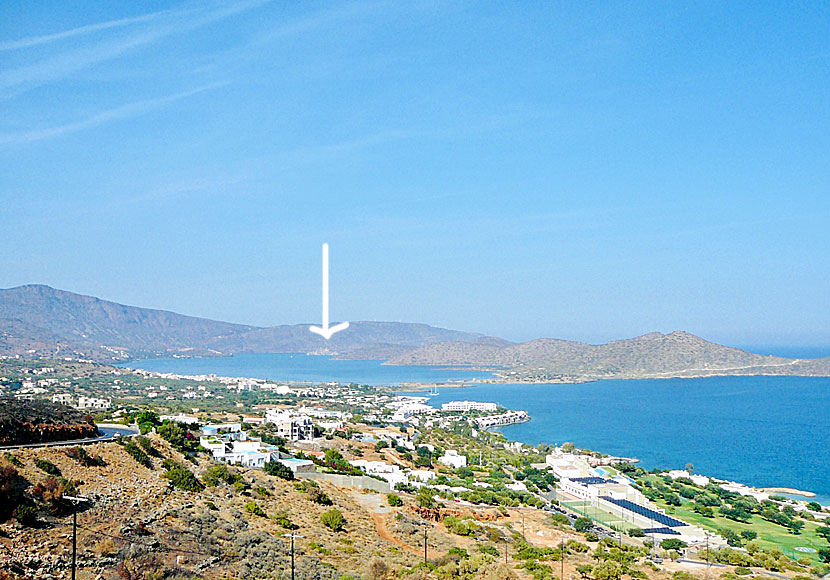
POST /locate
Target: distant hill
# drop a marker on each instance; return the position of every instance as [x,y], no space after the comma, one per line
[40,321]
[654,355]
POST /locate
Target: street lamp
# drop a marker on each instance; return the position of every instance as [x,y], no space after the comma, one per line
[75,501]
[292,535]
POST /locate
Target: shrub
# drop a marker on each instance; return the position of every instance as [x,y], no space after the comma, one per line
[26,515]
[394,500]
[51,492]
[252,508]
[262,492]
[80,455]
[147,446]
[10,491]
[279,469]
[13,459]
[591,537]
[219,473]
[283,520]
[636,533]
[47,466]
[742,571]
[316,495]
[488,549]
[334,520]
[136,453]
[183,478]
[175,434]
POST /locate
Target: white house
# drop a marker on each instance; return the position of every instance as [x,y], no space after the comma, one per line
[290,427]
[453,459]
[391,473]
[247,453]
[93,403]
[62,398]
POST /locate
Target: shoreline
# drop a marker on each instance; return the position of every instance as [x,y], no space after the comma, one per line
[787,490]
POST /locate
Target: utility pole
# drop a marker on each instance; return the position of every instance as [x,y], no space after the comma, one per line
[707,555]
[292,535]
[562,554]
[425,545]
[75,501]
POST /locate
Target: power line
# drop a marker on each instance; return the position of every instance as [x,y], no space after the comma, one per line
[134,541]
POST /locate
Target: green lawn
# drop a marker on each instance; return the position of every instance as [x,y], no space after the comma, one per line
[769,535]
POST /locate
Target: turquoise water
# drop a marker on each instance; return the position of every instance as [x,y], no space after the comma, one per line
[763,431]
[301,367]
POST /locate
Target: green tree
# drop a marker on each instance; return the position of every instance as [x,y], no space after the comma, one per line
[583,524]
[394,500]
[608,570]
[426,497]
[334,520]
[279,469]
[824,532]
[175,434]
[673,544]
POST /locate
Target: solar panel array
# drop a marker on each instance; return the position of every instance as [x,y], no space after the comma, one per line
[646,512]
[670,531]
[592,480]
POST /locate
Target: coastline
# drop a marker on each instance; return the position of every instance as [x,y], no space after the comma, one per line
[787,490]
[422,388]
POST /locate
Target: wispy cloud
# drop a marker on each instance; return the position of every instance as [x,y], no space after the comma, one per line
[123,112]
[21,79]
[33,41]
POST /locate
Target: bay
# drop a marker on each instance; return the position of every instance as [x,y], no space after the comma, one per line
[762,431]
[307,368]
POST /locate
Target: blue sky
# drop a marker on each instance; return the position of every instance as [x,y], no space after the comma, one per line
[583,171]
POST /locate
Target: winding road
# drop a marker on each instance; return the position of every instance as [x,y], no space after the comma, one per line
[108,432]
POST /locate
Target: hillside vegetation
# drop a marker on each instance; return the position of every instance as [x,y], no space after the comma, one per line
[23,421]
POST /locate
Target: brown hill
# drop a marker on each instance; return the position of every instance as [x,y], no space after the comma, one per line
[39,321]
[652,355]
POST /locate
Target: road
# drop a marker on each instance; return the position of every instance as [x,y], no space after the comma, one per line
[108,432]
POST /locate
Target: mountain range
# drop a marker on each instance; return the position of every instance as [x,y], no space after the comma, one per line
[37,321]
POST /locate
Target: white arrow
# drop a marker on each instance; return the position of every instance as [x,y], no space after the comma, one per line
[325,331]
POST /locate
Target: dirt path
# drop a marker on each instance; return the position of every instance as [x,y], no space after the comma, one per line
[383,532]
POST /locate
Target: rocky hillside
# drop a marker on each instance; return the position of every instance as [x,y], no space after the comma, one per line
[654,355]
[24,421]
[137,524]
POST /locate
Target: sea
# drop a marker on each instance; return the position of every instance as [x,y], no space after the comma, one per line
[761,431]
